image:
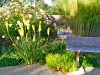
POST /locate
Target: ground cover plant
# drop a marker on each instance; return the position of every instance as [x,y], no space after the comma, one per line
[90,60]
[9,57]
[64,63]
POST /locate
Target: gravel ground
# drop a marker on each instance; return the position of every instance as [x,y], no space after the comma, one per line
[37,69]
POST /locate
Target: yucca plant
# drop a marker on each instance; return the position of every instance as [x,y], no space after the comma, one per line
[30,43]
[20,20]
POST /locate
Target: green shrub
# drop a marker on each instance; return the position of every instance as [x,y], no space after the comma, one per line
[56,46]
[91,60]
[5,49]
[58,58]
[30,47]
[30,52]
[64,62]
[10,59]
[0,50]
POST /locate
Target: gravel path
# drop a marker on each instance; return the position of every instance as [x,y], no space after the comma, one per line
[37,69]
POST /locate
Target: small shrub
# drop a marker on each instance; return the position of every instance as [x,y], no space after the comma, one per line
[30,51]
[0,50]
[9,59]
[57,46]
[91,60]
[86,63]
[5,49]
[64,62]
[52,63]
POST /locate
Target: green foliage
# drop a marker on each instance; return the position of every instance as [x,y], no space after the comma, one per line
[4,2]
[59,6]
[55,9]
[41,5]
[91,60]
[17,11]
[24,49]
[29,51]
[25,30]
[35,52]
[87,23]
[58,58]
[83,16]
[0,50]
[23,12]
[9,59]
[43,26]
[5,49]
[57,46]
[29,44]
[64,62]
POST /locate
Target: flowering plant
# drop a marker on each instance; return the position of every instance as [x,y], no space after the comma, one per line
[29,47]
[13,13]
[21,22]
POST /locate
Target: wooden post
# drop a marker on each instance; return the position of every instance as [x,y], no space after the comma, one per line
[77,56]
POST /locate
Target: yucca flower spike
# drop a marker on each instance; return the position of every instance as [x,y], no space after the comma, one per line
[6,23]
[40,27]
[23,19]
[28,26]
[34,38]
[21,32]
[26,36]
[33,27]
[48,31]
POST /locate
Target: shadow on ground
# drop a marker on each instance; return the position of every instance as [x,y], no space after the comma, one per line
[92,71]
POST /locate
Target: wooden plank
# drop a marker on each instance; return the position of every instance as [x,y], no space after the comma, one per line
[83,44]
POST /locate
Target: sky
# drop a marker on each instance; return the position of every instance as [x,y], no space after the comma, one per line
[49,2]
